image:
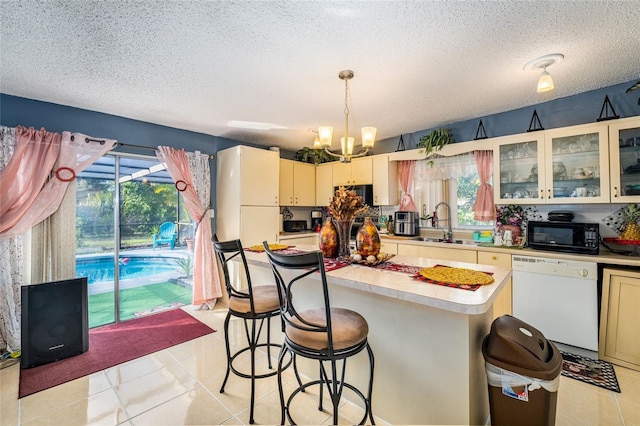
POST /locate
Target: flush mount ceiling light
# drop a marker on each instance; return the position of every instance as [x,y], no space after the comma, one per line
[325,133]
[545,83]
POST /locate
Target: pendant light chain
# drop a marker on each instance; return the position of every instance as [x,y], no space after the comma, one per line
[346,109]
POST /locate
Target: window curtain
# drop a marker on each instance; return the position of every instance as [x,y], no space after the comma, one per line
[445,168]
[190,172]
[11,277]
[483,206]
[405,176]
[33,184]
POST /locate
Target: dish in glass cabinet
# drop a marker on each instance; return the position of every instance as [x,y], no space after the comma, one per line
[633,190]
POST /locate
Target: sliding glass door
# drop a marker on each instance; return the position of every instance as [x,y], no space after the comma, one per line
[132,236]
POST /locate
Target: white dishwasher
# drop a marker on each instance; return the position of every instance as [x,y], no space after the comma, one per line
[558,297]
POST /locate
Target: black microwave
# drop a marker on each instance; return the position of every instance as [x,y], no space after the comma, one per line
[570,237]
[364,191]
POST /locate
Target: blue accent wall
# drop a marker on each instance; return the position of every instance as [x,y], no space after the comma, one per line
[577,109]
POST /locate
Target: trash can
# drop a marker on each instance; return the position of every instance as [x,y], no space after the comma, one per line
[523,373]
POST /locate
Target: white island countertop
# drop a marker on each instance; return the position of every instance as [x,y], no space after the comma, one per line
[401,286]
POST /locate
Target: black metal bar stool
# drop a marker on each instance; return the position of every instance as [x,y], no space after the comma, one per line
[254,305]
[329,335]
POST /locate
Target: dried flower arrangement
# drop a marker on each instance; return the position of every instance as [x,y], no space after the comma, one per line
[345,204]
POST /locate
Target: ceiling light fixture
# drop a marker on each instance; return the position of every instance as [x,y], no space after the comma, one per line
[545,82]
[325,133]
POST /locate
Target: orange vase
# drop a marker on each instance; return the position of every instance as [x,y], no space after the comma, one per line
[329,239]
[368,239]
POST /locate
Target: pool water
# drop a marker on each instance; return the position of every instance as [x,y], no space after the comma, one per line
[98,269]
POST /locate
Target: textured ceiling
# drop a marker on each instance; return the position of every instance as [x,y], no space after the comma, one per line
[418,64]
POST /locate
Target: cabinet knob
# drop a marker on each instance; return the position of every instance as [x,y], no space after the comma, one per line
[615,191]
[494,257]
[549,194]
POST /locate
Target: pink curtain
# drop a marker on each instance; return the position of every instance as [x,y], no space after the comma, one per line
[405,176]
[29,168]
[31,197]
[483,206]
[206,281]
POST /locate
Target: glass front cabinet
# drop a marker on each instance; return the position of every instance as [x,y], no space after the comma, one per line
[624,141]
[518,175]
[569,165]
[577,164]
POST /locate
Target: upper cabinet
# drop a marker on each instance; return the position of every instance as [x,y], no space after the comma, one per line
[297,184]
[251,174]
[577,164]
[358,172]
[624,145]
[324,184]
[385,181]
[519,169]
[568,165]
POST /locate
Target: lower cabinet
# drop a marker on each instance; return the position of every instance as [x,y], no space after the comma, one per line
[619,318]
[468,256]
[389,248]
[502,304]
[303,239]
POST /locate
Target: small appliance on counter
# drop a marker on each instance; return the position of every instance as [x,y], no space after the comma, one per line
[316,220]
[406,224]
[569,237]
[294,225]
[560,216]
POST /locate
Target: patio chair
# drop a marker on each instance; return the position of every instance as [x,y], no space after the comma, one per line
[167,235]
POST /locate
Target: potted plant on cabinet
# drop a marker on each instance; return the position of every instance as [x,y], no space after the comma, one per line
[313,156]
[435,141]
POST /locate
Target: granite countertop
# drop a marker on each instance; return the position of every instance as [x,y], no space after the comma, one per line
[400,285]
[605,255]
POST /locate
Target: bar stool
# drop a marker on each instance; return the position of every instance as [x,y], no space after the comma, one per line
[254,305]
[326,334]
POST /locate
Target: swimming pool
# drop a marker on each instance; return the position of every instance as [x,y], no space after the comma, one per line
[101,268]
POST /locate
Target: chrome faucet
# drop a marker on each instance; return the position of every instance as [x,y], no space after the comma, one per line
[448,234]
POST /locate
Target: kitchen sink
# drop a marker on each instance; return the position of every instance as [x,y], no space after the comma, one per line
[442,240]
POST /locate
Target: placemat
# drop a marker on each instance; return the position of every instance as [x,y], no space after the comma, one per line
[473,287]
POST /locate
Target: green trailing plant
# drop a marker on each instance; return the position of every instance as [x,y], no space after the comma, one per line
[314,156]
[435,141]
[185,265]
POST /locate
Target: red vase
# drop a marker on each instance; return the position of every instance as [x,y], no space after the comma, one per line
[368,239]
[329,240]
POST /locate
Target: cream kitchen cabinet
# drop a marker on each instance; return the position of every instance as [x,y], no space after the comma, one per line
[619,341]
[310,239]
[502,304]
[297,184]
[389,248]
[385,181]
[568,165]
[358,172]
[624,146]
[247,195]
[518,173]
[324,184]
[577,164]
[431,252]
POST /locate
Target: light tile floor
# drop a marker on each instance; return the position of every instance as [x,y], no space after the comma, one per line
[180,386]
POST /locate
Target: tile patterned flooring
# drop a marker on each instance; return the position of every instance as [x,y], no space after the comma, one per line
[180,386]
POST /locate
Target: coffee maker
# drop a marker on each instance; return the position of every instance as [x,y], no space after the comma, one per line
[316,220]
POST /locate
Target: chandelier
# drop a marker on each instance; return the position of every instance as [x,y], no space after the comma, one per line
[325,133]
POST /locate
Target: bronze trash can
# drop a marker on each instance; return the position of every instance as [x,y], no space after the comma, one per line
[523,373]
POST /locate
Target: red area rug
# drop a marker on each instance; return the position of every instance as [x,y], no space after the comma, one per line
[114,344]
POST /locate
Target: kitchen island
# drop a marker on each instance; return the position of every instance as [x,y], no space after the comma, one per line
[426,338]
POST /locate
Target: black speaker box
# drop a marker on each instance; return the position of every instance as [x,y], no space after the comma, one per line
[55,321]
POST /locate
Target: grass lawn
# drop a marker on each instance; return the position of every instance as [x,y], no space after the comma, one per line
[134,300]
